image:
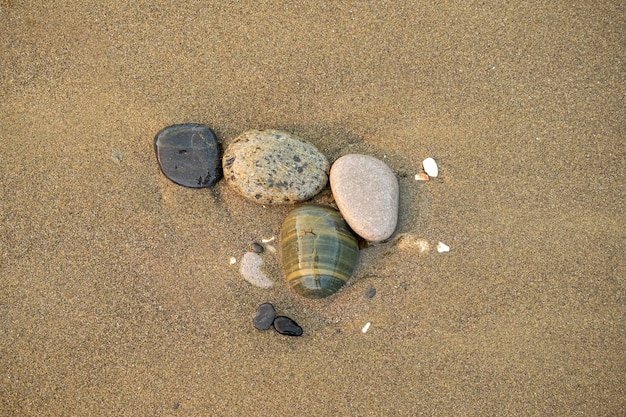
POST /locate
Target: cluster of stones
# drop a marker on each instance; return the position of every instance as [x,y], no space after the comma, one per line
[274,167]
[266,317]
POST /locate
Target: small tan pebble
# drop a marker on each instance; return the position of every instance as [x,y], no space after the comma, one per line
[250,269]
[430,166]
[442,247]
[117,156]
[411,241]
[422,176]
[422,245]
[366,327]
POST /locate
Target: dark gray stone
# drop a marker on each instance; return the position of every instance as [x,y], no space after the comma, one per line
[257,247]
[265,315]
[189,155]
[285,325]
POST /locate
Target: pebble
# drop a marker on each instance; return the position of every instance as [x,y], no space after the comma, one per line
[370,293]
[285,325]
[250,269]
[265,315]
[430,167]
[273,167]
[189,155]
[257,247]
[367,194]
[442,247]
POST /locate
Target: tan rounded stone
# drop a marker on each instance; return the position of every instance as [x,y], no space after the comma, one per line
[274,167]
[367,194]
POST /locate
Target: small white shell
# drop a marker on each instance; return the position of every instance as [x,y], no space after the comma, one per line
[366,327]
[442,247]
[430,166]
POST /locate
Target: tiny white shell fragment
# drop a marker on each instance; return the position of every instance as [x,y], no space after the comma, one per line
[422,176]
[366,327]
[233,260]
[271,239]
[251,270]
[430,166]
[442,247]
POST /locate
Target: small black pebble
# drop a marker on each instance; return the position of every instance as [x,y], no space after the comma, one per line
[257,247]
[285,325]
[264,316]
[175,406]
[370,293]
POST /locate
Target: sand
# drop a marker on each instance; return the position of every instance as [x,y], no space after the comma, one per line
[117,297]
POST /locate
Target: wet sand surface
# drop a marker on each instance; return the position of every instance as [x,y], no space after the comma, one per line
[117,297]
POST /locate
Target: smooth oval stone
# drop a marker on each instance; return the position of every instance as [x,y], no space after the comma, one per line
[318,250]
[273,167]
[285,325]
[367,194]
[189,155]
[265,316]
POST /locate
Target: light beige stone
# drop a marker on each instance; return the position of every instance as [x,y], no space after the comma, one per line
[251,270]
[367,193]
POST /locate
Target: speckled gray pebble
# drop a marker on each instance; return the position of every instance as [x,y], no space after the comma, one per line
[265,316]
[370,293]
[367,194]
[274,167]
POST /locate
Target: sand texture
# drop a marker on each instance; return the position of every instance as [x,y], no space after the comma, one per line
[117,295]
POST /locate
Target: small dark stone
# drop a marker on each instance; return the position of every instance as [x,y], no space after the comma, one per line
[189,155]
[264,316]
[370,293]
[257,247]
[285,325]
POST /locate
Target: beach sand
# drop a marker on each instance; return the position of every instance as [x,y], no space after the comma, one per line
[117,297]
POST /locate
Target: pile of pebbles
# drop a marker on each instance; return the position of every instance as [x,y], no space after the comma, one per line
[274,167]
[266,317]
